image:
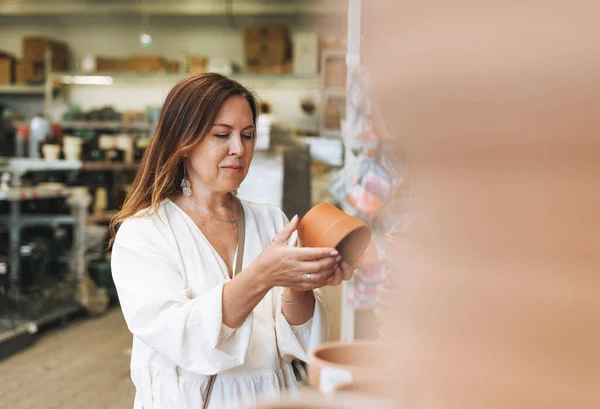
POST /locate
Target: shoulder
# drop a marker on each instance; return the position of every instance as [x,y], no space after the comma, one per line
[144,225]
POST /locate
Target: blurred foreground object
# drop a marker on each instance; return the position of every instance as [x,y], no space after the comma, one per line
[496,107]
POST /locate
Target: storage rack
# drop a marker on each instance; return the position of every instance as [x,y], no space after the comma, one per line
[15,221]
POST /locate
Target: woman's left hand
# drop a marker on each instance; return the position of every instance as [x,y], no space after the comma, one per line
[343,272]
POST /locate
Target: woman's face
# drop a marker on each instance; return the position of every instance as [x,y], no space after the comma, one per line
[220,162]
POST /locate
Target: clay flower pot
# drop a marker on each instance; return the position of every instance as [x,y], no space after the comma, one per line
[327,226]
[336,363]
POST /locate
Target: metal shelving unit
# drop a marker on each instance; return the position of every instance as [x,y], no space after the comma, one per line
[22,89]
[14,325]
[107,125]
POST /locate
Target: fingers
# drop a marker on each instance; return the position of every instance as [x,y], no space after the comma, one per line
[315,280]
[336,278]
[315,253]
[283,236]
[320,265]
[347,270]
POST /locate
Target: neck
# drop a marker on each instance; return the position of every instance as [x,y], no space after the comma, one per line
[211,201]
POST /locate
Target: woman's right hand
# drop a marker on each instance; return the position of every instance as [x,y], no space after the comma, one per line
[298,268]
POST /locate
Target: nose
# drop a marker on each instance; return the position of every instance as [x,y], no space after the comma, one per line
[236,147]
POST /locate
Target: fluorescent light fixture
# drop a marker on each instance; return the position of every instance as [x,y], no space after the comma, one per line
[87,79]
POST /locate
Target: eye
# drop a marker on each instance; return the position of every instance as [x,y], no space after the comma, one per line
[249,137]
[222,135]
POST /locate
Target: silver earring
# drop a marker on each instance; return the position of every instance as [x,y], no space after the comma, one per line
[186,186]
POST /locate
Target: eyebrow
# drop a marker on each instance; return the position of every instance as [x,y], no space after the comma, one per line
[231,127]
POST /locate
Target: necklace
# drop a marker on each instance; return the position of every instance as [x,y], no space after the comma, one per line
[231,220]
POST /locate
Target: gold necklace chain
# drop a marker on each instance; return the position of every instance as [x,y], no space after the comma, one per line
[231,220]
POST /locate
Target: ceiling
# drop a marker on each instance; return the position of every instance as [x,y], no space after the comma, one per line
[171,7]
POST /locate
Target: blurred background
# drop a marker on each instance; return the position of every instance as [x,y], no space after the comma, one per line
[81,88]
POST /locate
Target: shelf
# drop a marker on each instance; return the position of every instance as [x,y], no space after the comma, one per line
[113,79]
[22,89]
[40,220]
[106,125]
[103,166]
[33,193]
[23,165]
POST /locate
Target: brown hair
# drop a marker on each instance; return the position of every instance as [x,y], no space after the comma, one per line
[186,117]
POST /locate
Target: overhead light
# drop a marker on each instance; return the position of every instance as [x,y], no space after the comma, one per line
[146,40]
[87,79]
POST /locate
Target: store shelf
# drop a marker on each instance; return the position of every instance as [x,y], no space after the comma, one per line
[33,193]
[18,89]
[40,220]
[115,79]
[104,166]
[106,125]
[23,165]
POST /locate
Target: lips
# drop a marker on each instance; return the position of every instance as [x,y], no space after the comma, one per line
[234,167]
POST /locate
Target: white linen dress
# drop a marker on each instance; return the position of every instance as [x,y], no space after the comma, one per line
[170,280]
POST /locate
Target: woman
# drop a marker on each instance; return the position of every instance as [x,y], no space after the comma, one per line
[174,258]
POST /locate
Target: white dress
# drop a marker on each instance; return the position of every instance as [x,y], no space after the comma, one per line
[170,282]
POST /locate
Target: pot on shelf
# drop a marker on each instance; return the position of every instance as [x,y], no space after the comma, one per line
[336,363]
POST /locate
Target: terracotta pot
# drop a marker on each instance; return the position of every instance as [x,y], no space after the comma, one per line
[389,294]
[317,401]
[337,363]
[327,226]
[390,326]
[379,389]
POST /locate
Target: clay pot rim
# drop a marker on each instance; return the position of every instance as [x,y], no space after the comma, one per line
[361,225]
[314,360]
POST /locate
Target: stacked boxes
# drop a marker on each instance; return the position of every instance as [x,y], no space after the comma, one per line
[34,58]
[7,69]
[268,49]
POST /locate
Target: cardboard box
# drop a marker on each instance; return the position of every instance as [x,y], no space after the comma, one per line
[95,63]
[266,46]
[19,73]
[306,53]
[267,53]
[335,71]
[147,63]
[7,69]
[197,64]
[34,57]
[335,110]
[265,33]
[333,43]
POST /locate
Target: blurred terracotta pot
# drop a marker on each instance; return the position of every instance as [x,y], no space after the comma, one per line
[336,363]
[389,294]
[377,389]
[313,400]
[327,226]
